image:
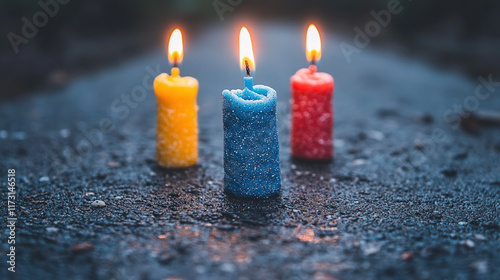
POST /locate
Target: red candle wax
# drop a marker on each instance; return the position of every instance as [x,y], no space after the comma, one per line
[312,115]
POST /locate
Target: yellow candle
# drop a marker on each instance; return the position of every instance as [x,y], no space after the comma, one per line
[177,124]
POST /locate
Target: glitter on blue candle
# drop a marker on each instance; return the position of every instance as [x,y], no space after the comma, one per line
[251,147]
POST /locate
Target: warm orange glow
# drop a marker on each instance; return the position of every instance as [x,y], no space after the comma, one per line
[313,44]
[246,50]
[175,49]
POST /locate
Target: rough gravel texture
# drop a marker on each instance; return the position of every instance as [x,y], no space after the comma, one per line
[408,196]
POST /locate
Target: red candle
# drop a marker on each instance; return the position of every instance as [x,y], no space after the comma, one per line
[312,112]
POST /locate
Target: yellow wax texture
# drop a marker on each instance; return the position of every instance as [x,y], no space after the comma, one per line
[177,121]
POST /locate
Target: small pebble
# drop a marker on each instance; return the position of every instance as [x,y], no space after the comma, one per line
[82,247]
[375,135]
[113,164]
[338,143]
[65,133]
[406,256]
[88,194]
[359,162]
[480,266]
[98,204]
[44,179]
[52,230]
[480,237]
[371,249]
[462,223]
[469,243]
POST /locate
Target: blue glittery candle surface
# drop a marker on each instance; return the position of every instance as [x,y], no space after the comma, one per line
[251,147]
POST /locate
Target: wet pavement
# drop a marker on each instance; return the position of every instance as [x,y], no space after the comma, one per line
[409,194]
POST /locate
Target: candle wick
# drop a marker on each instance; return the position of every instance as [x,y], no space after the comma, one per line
[176,60]
[247,68]
[313,57]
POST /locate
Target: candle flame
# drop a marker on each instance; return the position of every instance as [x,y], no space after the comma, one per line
[313,44]
[247,61]
[175,48]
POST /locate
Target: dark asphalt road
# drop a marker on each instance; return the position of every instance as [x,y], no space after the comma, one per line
[407,196]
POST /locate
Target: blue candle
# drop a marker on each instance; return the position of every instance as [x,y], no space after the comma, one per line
[251,147]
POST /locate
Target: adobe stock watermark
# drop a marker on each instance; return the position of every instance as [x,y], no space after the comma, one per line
[122,107]
[453,116]
[30,28]
[372,29]
[223,6]
[11,218]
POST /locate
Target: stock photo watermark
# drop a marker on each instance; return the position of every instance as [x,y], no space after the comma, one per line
[31,27]
[11,219]
[372,29]
[223,6]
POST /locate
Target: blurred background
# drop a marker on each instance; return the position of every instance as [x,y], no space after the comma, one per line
[78,37]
